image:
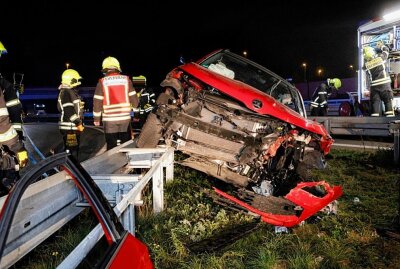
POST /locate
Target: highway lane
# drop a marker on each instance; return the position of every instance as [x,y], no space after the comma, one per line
[46,138]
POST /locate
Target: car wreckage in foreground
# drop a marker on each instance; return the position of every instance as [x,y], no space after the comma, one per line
[118,248]
[243,124]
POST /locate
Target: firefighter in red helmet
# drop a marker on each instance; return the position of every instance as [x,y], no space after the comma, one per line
[113,100]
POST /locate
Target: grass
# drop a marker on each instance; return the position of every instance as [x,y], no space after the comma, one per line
[56,248]
[346,240]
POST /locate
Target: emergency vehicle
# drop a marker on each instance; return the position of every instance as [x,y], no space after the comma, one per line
[387,30]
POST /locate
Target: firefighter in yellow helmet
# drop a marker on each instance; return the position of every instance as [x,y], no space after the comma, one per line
[70,106]
[2,49]
[319,99]
[13,153]
[146,97]
[379,79]
[113,100]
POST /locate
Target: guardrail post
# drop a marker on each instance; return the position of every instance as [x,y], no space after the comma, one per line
[169,168]
[158,190]
[396,145]
[327,125]
[128,216]
[394,128]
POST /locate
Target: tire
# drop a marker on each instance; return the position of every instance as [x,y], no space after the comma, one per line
[311,160]
[345,109]
[150,133]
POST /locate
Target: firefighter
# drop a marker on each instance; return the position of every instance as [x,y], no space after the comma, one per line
[113,101]
[379,79]
[319,99]
[146,99]
[70,106]
[12,151]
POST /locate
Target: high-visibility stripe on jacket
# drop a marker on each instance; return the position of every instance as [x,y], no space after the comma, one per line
[146,101]
[70,106]
[13,104]
[10,116]
[376,68]
[320,96]
[114,98]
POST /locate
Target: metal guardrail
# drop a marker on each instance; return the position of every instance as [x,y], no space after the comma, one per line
[395,130]
[126,205]
[37,219]
[365,126]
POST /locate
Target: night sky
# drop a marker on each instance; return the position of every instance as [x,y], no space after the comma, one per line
[148,37]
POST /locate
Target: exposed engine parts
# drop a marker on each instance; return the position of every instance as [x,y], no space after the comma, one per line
[240,123]
[232,143]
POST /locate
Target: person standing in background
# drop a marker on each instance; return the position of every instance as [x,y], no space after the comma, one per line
[319,99]
[70,106]
[379,79]
[146,98]
[113,101]
[12,150]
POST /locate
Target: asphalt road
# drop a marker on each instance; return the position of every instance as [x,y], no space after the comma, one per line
[44,139]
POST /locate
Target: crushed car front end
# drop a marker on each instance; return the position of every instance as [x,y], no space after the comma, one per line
[244,125]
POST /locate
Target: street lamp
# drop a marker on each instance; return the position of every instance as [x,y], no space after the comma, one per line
[245,53]
[351,70]
[304,65]
[67,65]
[319,72]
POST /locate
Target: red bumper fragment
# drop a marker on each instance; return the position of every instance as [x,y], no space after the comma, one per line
[310,203]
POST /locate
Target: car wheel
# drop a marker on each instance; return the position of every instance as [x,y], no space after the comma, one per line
[311,160]
[345,109]
[151,132]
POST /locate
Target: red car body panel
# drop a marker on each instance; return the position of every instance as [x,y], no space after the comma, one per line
[127,255]
[308,202]
[125,251]
[257,97]
[270,106]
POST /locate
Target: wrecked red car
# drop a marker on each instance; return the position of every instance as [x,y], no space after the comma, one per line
[243,124]
[22,225]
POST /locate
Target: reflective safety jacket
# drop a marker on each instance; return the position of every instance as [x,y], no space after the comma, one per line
[320,96]
[10,116]
[146,101]
[114,99]
[376,68]
[71,107]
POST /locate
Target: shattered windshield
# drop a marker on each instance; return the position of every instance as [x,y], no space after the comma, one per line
[239,68]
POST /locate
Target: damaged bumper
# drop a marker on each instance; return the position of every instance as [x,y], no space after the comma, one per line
[303,201]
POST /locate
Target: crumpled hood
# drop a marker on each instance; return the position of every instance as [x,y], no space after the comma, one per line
[250,96]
